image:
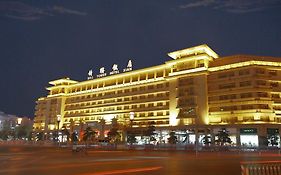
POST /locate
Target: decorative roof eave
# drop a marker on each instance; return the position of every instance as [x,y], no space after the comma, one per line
[193,51]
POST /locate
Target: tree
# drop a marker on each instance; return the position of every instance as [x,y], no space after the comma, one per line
[65,132]
[114,135]
[131,138]
[74,137]
[150,132]
[21,132]
[88,135]
[4,134]
[273,139]
[173,138]
[223,137]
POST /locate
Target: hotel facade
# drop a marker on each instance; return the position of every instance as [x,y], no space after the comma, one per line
[196,93]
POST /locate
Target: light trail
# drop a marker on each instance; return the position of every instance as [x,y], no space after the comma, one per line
[69,165]
[134,170]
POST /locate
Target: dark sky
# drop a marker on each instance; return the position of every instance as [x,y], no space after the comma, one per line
[44,40]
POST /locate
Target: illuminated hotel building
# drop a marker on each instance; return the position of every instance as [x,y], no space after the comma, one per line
[196,92]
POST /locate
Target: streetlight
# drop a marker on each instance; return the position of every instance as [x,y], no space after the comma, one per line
[19,121]
[17,127]
[132,116]
[58,120]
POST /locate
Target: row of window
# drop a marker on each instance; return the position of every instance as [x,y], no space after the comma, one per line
[136,115]
[235,119]
[248,83]
[149,97]
[121,107]
[243,95]
[118,93]
[124,80]
[242,107]
[247,72]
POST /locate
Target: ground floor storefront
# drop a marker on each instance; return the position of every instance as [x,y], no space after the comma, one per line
[230,135]
[246,135]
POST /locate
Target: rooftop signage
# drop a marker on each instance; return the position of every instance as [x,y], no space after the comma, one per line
[115,70]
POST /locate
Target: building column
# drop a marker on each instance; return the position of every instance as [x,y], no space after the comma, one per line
[212,136]
[262,134]
[238,142]
[196,140]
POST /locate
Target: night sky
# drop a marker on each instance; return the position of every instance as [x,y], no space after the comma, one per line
[45,40]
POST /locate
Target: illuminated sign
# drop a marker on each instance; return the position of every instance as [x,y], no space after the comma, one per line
[129,66]
[90,74]
[115,70]
[248,131]
[102,72]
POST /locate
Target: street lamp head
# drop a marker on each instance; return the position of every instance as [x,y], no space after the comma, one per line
[19,121]
[58,118]
[132,115]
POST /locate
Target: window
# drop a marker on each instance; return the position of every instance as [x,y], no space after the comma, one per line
[274,84]
[159,86]
[160,104]
[245,83]
[159,95]
[150,87]
[272,72]
[275,96]
[261,82]
[142,88]
[244,72]
[244,107]
[260,71]
[159,113]
[262,94]
[246,95]
[226,86]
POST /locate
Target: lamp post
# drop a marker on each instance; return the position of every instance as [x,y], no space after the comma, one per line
[17,127]
[130,135]
[132,116]
[58,121]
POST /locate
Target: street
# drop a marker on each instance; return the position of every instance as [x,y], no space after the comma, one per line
[23,160]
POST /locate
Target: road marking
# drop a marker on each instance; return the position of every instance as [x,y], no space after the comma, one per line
[125,171]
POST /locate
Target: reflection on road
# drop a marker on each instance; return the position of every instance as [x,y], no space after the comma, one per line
[52,161]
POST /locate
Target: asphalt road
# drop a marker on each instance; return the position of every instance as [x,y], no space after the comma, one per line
[22,160]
